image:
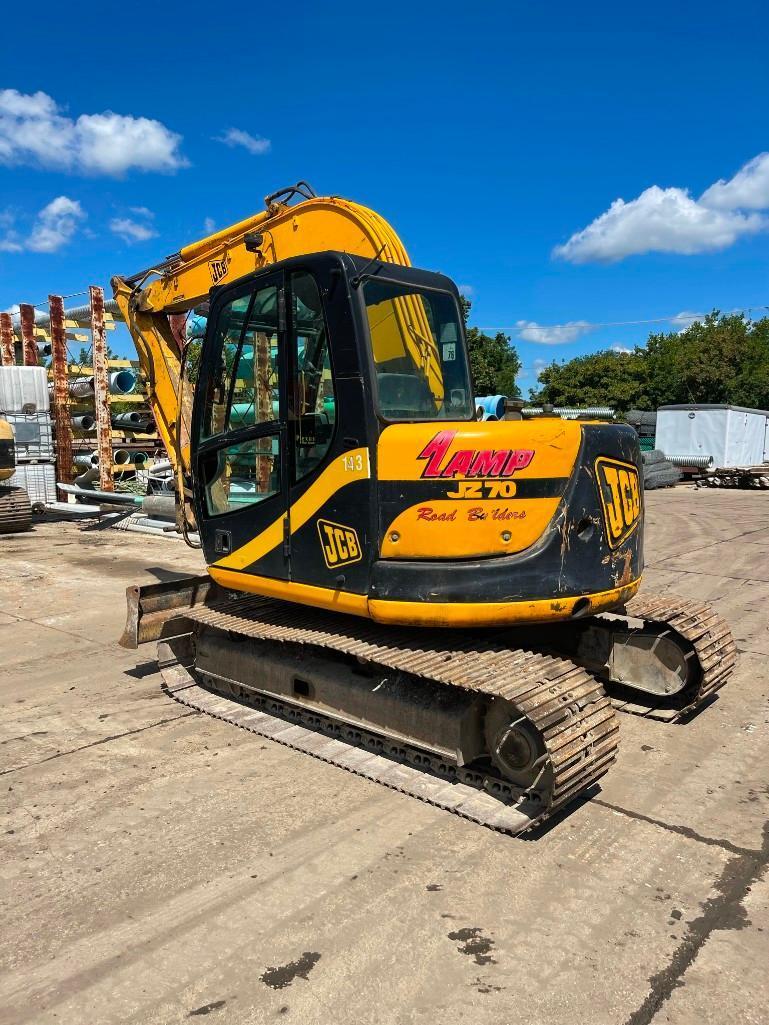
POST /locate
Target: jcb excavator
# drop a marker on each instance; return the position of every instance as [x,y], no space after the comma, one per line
[433,602]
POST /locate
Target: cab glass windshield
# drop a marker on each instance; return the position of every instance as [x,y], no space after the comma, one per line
[419,356]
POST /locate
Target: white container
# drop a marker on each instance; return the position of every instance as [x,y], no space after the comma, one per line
[731,435]
[37,479]
[24,386]
[33,436]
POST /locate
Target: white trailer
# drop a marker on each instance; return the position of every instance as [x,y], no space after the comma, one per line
[731,435]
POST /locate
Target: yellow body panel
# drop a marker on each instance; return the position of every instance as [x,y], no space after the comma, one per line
[479,512]
[443,529]
[408,613]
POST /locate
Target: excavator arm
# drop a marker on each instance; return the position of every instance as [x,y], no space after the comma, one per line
[150,299]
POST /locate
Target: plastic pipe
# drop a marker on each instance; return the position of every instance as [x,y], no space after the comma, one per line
[493,406]
[122,382]
[83,423]
[112,497]
[121,419]
[86,459]
[162,507]
[698,462]
[569,413]
[85,480]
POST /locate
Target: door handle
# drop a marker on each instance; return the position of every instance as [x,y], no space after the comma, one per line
[222,542]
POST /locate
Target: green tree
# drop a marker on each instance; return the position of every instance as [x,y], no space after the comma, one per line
[718,359]
[494,362]
[606,378]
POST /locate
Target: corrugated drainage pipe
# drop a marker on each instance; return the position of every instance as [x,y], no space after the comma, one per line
[698,462]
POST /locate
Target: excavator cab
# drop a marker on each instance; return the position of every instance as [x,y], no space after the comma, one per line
[336,460]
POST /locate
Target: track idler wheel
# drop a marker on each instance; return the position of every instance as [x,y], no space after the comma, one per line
[518,749]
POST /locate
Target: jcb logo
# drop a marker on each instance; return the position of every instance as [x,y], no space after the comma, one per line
[218,269]
[340,544]
[620,497]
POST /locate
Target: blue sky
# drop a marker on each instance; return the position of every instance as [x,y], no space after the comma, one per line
[494,136]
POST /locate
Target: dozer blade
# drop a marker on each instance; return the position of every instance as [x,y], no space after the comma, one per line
[157,610]
[498,735]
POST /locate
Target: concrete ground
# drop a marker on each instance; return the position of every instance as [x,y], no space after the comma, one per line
[159,866]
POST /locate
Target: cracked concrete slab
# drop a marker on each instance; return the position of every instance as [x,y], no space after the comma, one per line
[159,866]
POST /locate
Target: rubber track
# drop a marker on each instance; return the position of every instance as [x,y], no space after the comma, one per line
[566,704]
[707,632]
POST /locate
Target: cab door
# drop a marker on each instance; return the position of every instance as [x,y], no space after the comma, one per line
[239,431]
[330,477]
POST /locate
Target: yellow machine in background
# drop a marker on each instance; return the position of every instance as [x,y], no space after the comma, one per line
[15,510]
[393,585]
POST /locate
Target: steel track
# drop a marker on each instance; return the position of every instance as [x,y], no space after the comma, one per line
[712,645]
[561,700]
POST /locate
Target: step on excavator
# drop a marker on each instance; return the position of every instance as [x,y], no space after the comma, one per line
[444,605]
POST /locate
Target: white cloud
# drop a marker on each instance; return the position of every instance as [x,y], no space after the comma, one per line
[660,220]
[551,334]
[686,318]
[33,131]
[466,290]
[209,225]
[10,241]
[131,230]
[55,225]
[621,348]
[747,190]
[40,315]
[255,144]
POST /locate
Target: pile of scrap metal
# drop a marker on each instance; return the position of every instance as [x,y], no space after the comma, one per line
[659,471]
[735,477]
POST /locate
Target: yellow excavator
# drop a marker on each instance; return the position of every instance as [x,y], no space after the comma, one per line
[15,509]
[443,605]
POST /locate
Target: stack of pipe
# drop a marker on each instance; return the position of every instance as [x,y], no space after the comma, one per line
[121,382]
[120,457]
[490,407]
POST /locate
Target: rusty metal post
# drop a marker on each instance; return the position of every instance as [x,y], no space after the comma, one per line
[61,414]
[101,393]
[7,344]
[28,343]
